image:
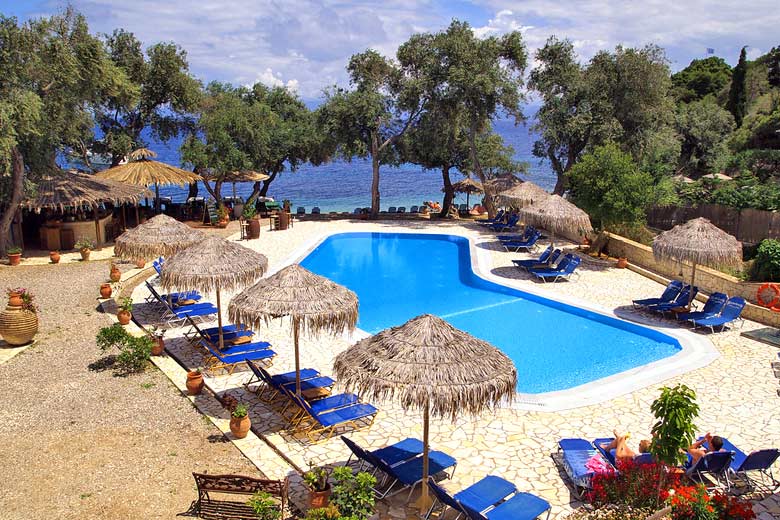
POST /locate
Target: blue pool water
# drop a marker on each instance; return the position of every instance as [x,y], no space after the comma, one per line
[554,346]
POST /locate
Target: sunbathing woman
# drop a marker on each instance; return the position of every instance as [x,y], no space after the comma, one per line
[622,451]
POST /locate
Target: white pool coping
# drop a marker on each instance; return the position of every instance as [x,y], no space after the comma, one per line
[696,351]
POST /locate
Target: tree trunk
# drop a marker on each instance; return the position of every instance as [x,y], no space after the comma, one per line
[560,185]
[375,176]
[215,192]
[192,191]
[449,192]
[489,205]
[17,191]
[267,184]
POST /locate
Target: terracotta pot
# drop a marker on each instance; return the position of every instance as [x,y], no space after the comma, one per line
[54,256]
[15,299]
[223,223]
[14,258]
[319,499]
[85,254]
[586,241]
[254,228]
[123,317]
[159,346]
[284,220]
[18,326]
[105,290]
[622,262]
[239,426]
[140,264]
[115,275]
[194,383]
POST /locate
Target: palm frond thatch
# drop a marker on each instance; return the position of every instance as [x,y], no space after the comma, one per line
[556,215]
[213,264]
[700,242]
[427,360]
[63,189]
[159,236]
[522,195]
[502,182]
[246,176]
[142,171]
[315,302]
[467,185]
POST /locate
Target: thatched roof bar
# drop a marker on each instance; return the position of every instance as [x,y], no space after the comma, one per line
[65,189]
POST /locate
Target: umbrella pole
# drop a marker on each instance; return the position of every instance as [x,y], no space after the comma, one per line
[137,218]
[424,503]
[467,198]
[124,217]
[156,198]
[297,359]
[693,279]
[219,322]
[98,241]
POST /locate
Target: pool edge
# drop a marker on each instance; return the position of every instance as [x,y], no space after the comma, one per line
[696,351]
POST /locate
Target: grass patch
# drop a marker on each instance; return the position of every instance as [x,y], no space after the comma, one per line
[147,386]
[85,495]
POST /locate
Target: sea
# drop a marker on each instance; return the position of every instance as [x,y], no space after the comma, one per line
[345,185]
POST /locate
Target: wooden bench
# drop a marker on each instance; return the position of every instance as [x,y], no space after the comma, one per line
[207,507]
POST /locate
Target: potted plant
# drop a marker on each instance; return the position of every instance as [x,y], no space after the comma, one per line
[158,347]
[105,290]
[287,204]
[14,255]
[353,494]
[85,246]
[622,262]
[223,217]
[54,257]
[239,421]
[125,313]
[194,381]
[19,320]
[114,274]
[140,263]
[316,480]
[250,215]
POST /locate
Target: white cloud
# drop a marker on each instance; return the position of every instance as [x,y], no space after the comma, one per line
[504,22]
[271,79]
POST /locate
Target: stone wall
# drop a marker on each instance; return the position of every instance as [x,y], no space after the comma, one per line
[708,280]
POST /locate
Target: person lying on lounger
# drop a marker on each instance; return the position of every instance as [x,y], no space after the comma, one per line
[697,449]
[623,451]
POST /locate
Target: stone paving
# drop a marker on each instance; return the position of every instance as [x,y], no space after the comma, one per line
[737,392]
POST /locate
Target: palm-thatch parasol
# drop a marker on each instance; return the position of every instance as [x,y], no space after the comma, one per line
[159,236]
[683,179]
[69,188]
[142,171]
[522,195]
[558,216]
[502,182]
[245,176]
[467,186]
[700,242]
[213,264]
[428,365]
[313,303]
[717,177]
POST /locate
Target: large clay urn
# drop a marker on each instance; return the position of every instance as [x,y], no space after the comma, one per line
[18,326]
[254,228]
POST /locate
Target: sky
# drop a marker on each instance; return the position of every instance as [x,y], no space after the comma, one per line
[306,44]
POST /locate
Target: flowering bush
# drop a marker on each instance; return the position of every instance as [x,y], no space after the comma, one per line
[28,298]
[694,503]
[635,485]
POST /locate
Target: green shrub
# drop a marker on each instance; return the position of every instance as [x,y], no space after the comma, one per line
[766,266]
[14,250]
[264,506]
[353,495]
[110,337]
[134,354]
[330,512]
[675,409]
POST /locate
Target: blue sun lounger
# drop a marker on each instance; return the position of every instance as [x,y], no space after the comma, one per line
[321,426]
[760,461]
[712,307]
[229,361]
[480,496]
[732,311]
[229,332]
[563,271]
[312,383]
[575,453]
[680,301]
[154,296]
[640,458]
[714,465]
[525,235]
[392,455]
[547,257]
[490,221]
[522,506]
[511,223]
[669,294]
[528,244]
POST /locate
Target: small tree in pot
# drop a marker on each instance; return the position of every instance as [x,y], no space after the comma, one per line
[157,333]
[194,381]
[125,311]
[239,421]
[85,246]
[319,488]
[14,255]
[250,215]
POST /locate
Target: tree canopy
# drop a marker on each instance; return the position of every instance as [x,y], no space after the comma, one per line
[704,129]
[702,78]
[737,103]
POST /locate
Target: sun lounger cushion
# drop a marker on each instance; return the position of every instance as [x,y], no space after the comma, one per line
[410,471]
[486,493]
[400,451]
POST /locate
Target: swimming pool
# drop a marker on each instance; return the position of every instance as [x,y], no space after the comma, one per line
[554,345]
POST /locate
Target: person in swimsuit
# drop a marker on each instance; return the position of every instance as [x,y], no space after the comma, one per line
[623,451]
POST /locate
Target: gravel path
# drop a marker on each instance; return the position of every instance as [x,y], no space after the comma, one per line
[81,443]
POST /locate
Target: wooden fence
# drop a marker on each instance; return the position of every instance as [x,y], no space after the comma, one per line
[748,225]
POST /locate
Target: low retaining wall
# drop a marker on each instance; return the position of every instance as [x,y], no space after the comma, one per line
[708,280]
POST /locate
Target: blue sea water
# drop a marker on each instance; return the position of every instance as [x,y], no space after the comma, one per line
[344,186]
[554,346]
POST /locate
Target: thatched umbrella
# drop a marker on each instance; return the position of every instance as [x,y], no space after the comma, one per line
[428,365]
[245,176]
[159,236]
[467,186]
[700,242]
[502,182]
[683,179]
[142,171]
[313,303]
[557,215]
[213,264]
[69,188]
[717,177]
[522,195]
